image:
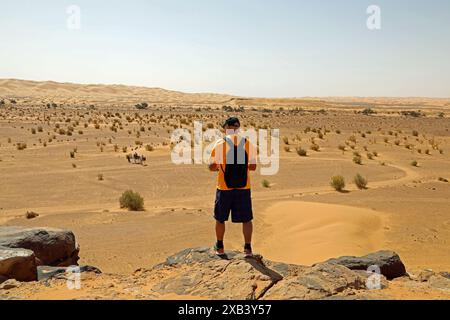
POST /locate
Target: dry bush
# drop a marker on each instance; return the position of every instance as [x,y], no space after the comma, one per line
[301,152]
[31,215]
[132,201]
[338,183]
[265,184]
[360,181]
[315,147]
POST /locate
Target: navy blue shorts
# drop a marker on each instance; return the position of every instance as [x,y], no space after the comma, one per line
[238,202]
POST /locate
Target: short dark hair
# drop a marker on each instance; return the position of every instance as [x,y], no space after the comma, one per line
[233,121]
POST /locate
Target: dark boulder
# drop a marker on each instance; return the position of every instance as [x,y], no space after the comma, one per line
[389,263]
[52,247]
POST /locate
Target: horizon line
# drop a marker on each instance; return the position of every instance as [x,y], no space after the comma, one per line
[141,86]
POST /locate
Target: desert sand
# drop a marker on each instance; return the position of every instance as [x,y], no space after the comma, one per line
[299,217]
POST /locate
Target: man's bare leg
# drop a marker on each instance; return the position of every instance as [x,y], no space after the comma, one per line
[220,234]
[247,229]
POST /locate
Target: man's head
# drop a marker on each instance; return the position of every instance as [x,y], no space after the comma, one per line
[231,124]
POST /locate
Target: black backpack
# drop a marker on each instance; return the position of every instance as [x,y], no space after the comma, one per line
[236,169]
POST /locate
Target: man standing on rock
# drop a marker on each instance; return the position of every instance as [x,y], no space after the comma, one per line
[233,157]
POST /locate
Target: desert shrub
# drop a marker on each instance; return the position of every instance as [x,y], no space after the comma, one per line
[414,114]
[31,215]
[265,184]
[141,106]
[369,156]
[414,163]
[132,201]
[415,133]
[74,165]
[149,147]
[100,177]
[368,112]
[342,148]
[21,146]
[443,180]
[338,131]
[33,131]
[397,142]
[287,149]
[338,183]
[286,140]
[301,152]
[357,159]
[427,151]
[72,154]
[315,147]
[360,181]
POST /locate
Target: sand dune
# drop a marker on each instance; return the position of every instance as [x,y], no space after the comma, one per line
[306,232]
[102,92]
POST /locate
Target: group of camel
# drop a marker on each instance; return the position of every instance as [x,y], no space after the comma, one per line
[136,158]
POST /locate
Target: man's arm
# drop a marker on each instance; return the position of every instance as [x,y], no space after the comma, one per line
[214,167]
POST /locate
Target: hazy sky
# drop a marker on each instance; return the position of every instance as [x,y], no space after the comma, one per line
[243,47]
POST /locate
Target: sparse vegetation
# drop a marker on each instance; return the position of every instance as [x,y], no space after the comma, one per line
[360,181]
[357,159]
[338,183]
[265,184]
[132,201]
[31,215]
[21,146]
[315,147]
[301,152]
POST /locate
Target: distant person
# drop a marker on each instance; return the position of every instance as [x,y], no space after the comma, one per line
[233,157]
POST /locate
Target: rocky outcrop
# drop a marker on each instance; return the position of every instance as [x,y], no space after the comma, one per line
[52,247]
[23,249]
[388,262]
[19,264]
[198,272]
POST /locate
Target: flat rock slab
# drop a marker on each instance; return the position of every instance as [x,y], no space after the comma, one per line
[47,272]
